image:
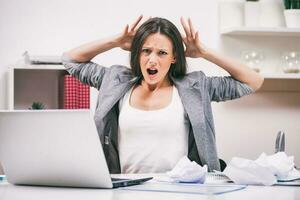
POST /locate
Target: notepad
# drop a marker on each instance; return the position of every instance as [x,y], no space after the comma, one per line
[204,189]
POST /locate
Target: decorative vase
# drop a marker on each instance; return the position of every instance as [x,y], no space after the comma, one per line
[252,13]
[231,13]
[292,18]
[271,14]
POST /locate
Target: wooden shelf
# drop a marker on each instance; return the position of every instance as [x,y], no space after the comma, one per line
[273,75]
[291,32]
[280,85]
[278,75]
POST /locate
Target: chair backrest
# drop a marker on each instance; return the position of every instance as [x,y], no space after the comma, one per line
[222,164]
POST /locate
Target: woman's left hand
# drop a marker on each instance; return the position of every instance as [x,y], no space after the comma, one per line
[194,48]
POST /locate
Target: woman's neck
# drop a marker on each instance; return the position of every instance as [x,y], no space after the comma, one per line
[155,87]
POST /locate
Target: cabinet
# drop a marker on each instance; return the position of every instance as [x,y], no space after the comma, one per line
[274,81]
[36,83]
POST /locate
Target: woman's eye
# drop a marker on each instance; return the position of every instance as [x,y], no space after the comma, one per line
[145,50]
[163,53]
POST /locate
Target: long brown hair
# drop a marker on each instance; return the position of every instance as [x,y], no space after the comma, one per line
[167,28]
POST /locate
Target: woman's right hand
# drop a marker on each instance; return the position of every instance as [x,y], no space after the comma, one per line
[124,40]
[88,51]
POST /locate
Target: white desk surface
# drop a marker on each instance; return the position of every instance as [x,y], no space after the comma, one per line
[13,192]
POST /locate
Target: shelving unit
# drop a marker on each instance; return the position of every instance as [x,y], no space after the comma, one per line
[277,75]
[274,81]
[42,83]
[286,32]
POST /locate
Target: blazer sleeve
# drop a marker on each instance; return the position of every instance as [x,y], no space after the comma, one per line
[87,72]
[226,88]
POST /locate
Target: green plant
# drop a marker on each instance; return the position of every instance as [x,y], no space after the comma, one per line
[37,106]
[291,4]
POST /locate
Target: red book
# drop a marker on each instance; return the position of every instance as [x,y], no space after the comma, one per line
[83,96]
[70,89]
[76,94]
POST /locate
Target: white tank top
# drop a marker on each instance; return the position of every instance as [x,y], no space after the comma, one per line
[152,141]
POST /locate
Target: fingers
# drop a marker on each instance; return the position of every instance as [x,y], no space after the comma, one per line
[183,38]
[185,27]
[133,26]
[188,28]
[125,30]
[146,19]
[197,39]
[191,28]
[197,36]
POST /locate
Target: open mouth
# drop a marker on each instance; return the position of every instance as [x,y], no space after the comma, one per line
[152,71]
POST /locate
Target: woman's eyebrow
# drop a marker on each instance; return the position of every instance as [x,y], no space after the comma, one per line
[163,49]
[160,49]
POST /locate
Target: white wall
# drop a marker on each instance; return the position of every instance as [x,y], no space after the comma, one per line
[245,127]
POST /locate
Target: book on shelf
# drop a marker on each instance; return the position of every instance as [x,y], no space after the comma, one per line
[83,95]
[76,94]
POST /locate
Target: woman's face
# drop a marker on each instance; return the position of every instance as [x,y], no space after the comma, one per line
[156,58]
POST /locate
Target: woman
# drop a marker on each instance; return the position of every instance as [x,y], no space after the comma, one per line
[151,115]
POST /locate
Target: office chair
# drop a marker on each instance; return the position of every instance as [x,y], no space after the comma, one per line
[222,164]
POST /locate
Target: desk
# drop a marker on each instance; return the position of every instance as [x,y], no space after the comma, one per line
[12,192]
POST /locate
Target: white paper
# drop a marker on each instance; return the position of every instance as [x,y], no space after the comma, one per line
[279,164]
[266,170]
[188,171]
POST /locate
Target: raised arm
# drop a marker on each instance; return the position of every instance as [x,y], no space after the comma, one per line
[78,62]
[238,71]
[87,52]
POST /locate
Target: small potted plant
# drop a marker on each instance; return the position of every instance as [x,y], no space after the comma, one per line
[292,13]
[37,106]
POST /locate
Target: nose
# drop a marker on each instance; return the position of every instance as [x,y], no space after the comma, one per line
[152,59]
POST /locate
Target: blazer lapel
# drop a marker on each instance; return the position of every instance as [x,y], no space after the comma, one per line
[193,105]
[114,93]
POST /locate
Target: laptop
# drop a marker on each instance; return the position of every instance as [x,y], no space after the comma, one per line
[54,148]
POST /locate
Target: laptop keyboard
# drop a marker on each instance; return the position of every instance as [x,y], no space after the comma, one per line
[119,179]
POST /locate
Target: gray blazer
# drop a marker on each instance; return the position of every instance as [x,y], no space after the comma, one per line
[196,92]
